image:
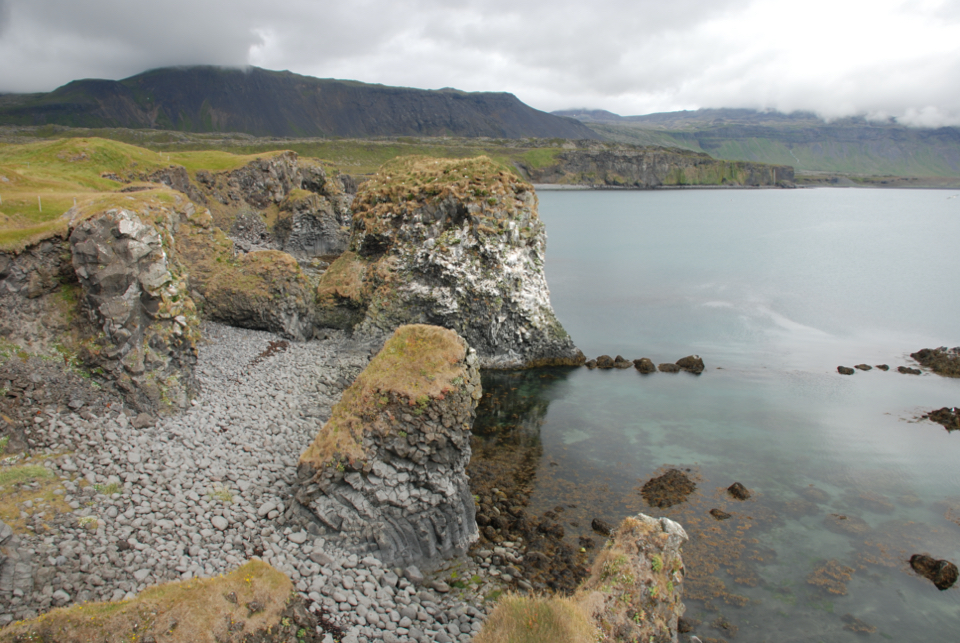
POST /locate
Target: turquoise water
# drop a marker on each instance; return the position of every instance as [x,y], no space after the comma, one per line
[774,289]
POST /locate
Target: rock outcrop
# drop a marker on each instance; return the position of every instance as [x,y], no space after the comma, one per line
[314,225]
[652,167]
[634,591]
[16,564]
[135,293]
[387,471]
[942,361]
[455,243]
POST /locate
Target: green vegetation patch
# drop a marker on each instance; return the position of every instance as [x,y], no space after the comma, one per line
[195,611]
[418,363]
[536,619]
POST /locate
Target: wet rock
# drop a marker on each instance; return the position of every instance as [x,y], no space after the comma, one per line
[738,491]
[601,526]
[591,364]
[942,361]
[620,362]
[941,573]
[667,490]
[883,367]
[863,367]
[845,370]
[906,370]
[605,361]
[645,365]
[669,368]
[949,418]
[387,471]
[691,364]
[719,514]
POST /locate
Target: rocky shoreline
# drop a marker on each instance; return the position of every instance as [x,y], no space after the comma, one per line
[197,493]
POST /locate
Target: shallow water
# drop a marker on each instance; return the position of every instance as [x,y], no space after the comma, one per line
[774,289]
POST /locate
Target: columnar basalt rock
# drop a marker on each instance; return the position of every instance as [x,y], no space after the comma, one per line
[455,243]
[135,293]
[387,471]
[313,225]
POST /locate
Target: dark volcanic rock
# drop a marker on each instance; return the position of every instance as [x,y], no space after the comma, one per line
[845,370]
[387,471]
[669,368]
[949,418]
[863,367]
[667,490]
[883,367]
[620,362]
[942,361]
[906,370]
[605,361]
[644,365]
[691,364]
[738,491]
[941,573]
[601,526]
[719,514]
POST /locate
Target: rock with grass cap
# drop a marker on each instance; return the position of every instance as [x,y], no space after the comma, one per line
[387,470]
[456,243]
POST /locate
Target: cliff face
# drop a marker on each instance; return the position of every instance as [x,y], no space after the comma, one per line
[387,471]
[655,167]
[455,243]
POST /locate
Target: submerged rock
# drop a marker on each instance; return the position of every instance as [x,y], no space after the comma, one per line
[863,367]
[941,573]
[720,514]
[883,367]
[455,243]
[601,526]
[738,491]
[668,368]
[387,471]
[667,490]
[906,370]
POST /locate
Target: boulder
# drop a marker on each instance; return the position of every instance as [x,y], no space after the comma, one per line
[669,368]
[640,572]
[863,367]
[738,491]
[454,243]
[906,370]
[644,365]
[605,362]
[691,364]
[941,573]
[601,526]
[591,364]
[135,291]
[620,362]
[883,367]
[845,370]
[387,471]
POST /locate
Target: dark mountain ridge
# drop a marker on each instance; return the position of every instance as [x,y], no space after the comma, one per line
[271,103]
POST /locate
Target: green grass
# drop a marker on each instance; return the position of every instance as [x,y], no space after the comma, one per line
[23,473]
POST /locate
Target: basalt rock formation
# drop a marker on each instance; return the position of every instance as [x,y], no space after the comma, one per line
[455,243]
[135,292]
[312,225]
[653,167]
[387,471]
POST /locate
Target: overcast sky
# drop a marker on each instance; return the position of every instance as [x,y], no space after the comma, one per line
[836,57]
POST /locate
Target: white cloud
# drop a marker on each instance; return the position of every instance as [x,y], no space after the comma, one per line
[836,57]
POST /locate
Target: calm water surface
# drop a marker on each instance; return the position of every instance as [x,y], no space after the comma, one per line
[774,289]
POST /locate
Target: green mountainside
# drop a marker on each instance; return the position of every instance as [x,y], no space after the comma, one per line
[271,103]
[852,146]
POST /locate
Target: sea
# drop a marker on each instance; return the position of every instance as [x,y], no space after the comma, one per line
[773,289]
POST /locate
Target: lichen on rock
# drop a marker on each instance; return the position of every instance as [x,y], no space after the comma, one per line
[387,471]
[455,243]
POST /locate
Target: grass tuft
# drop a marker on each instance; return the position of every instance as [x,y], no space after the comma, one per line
[519,619]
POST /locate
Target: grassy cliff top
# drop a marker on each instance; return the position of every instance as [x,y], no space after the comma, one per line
[418,363]
[200,608]
[421,178]
[40,181]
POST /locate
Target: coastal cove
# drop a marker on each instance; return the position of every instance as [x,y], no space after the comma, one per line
[774,289]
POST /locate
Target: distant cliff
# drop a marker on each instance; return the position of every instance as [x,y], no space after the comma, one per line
[270,103]
[651,167]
